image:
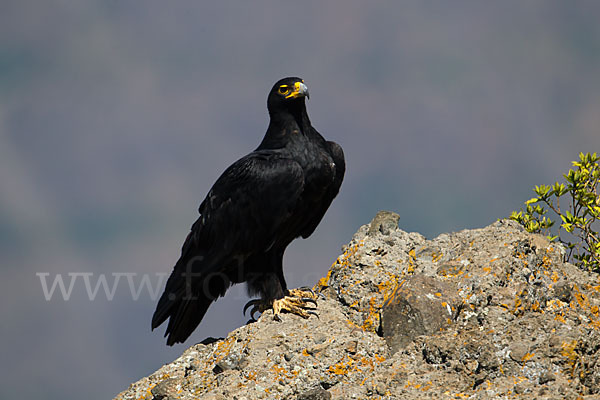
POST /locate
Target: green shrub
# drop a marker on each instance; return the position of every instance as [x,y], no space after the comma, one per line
[580,216]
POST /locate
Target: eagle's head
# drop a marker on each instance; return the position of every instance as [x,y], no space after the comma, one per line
[287,93]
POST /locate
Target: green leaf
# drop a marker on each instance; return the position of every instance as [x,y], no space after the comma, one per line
[568,227]
[532,200]
[569,216]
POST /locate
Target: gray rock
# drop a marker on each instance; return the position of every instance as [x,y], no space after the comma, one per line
[421,305]
[315,394]
[384,222]
[166,389]
[518,351]
[546,377]
[484,313]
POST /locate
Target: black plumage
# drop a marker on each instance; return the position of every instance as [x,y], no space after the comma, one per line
[255,209]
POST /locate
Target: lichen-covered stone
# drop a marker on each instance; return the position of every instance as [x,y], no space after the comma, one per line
[496,313]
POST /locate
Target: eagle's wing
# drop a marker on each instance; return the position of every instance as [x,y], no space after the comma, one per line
[337,154]
[241,215]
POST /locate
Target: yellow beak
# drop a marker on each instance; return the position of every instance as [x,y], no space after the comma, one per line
[300,90]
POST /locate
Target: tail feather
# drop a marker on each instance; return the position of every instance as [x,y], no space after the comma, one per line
[186,300]
[184,314]
[185,318]
[169,300]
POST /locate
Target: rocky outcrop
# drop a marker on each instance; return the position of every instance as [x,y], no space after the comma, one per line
[483,314]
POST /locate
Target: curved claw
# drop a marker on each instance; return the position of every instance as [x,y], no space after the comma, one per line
[252,312]
[254,303]
[313,313]
[309,300]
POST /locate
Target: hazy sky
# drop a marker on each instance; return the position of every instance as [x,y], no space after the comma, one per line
[117,116]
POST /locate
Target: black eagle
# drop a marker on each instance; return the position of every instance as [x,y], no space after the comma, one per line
[254,210]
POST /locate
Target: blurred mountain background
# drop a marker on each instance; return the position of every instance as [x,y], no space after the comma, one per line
[117,116]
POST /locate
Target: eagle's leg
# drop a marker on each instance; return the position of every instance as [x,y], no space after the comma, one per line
[296,301]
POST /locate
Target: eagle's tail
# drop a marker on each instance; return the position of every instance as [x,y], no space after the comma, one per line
[184,316]
[186,298]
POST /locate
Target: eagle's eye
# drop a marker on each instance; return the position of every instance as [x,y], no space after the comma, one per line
[284,89]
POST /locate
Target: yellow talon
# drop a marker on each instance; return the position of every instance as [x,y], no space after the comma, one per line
[296,302]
